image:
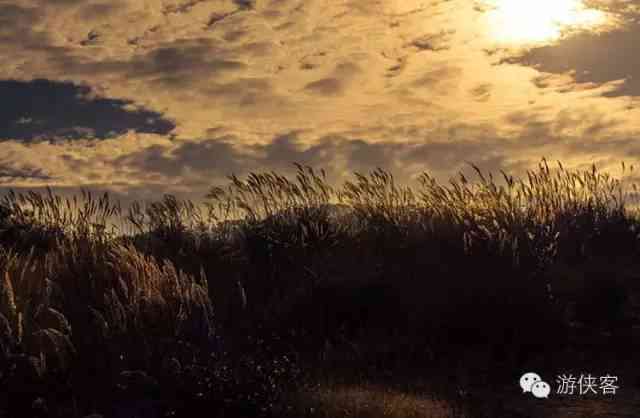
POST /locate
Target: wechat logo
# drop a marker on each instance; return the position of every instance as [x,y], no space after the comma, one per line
[533,383]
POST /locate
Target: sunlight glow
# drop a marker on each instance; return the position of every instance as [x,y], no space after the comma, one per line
[528,21]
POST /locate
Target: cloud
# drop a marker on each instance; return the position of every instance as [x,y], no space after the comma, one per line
[184,92]
[145,168]
[13,21]
[327,86]
[482,92]
[435,42]
[200,62]
[336,84]
[592,59]
[44,109]
[176,65]
[9,174]
[201,163]
[442,75]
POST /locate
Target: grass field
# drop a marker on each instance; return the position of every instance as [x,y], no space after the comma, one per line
[286,296]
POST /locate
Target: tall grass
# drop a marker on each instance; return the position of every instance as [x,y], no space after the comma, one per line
[40,219]
[263,195]
[390,274]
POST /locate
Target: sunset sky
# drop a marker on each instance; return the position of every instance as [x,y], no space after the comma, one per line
[145,97]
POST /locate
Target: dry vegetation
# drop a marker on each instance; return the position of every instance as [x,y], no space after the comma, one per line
[277,283]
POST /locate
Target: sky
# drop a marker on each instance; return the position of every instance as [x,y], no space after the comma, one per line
[146,97]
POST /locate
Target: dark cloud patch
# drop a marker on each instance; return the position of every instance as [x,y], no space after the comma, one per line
[403,160]
[216,18]
[198,165]
[440,76]
[482,92]
[153,159]
[575,132]
[15,28]
[326,87]
[287,148]
[217,157]
[336,84]
[448,156]
[537,130]
[222,156]
[68,2]
[258,49]
[235,35]
[180,8]
[246,93]
[38,109]
[242,6]
[212,160]
[176,65]
[92,38]
[397,69]
[12,15]
[9,173]
[92,11]
[592,58]
[245,4]
[364,156]
[180,65]
[434,42]
[191,167]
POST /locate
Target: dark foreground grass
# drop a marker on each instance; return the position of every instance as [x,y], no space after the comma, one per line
[288,297]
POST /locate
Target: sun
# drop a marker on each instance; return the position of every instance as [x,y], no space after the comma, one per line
[529,21]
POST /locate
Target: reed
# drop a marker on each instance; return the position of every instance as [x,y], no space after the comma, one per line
[293,263]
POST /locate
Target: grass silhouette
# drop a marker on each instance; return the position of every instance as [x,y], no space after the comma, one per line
[241,306]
